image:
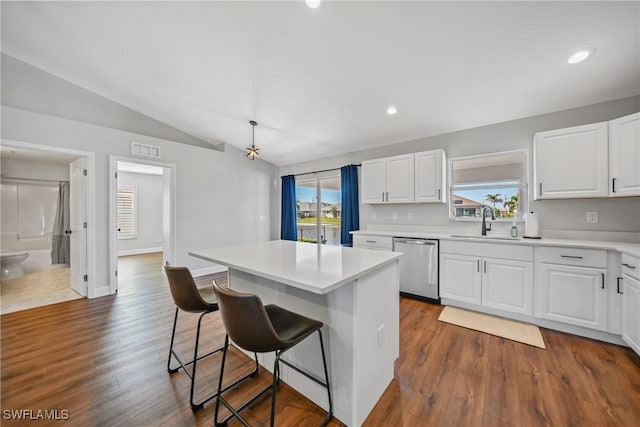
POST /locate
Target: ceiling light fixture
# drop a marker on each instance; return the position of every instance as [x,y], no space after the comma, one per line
[392,110]
[253,151]
[581,55]
[313,4]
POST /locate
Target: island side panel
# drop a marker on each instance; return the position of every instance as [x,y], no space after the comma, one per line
[337,311]
[378,336]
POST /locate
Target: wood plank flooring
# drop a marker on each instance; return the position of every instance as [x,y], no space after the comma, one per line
[104,361]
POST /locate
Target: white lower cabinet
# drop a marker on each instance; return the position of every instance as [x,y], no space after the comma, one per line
[631,301]
[500,283]
[572,294]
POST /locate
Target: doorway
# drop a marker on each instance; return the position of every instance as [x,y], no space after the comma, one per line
[142,219]
[47,212]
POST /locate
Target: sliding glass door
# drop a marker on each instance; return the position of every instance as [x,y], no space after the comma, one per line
[318,209]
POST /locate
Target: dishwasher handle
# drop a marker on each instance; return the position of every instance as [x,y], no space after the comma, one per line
[415,241]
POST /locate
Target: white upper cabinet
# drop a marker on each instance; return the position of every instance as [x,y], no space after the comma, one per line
[624,156]
[388,180]
[571,163]
[430,178]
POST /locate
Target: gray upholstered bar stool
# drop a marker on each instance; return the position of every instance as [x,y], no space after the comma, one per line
[187,297]
[262,329]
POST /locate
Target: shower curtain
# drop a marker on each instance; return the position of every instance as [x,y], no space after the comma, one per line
[60,245]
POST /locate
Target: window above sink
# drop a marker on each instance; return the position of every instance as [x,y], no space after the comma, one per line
[497,181]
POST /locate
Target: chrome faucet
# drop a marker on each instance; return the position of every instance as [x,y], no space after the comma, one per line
[484,220]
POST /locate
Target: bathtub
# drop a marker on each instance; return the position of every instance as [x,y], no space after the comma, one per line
[39,259]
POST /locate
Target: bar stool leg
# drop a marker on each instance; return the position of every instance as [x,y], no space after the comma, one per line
[173,335]
[326,377]
[196,406]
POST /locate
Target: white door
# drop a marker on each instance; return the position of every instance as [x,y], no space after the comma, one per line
[574,295]
[572,163]
[429,179]
[78,219]
[507,285]
[624,160]
[373,181]
[460,278]
[400,179]
[630,313]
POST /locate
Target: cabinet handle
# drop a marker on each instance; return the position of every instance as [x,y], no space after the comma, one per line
[570,256]
[613,185]
[485,266]
[540,194]
[602,280]
[629,266]
[438,194]
[619,279]
[387,193]
[383,196]
[371,241]
[478,261]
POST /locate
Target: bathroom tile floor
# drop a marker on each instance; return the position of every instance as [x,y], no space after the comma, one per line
[36,289]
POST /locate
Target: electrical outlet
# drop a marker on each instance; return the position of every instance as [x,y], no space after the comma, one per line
[592,217]
[380,336]
[373,215]
[410,216]
[395,216]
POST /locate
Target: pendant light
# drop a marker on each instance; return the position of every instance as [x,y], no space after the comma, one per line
[253,151]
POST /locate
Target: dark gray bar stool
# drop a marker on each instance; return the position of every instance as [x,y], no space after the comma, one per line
[262,329]
[187,297]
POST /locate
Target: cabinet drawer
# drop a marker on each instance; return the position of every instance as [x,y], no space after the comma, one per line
[373,241]
[573,256]
[493,250]
[630,266]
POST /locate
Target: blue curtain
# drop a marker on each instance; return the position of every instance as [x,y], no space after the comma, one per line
[288,229]
[350,209]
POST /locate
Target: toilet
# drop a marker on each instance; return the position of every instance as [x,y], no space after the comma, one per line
[10,263]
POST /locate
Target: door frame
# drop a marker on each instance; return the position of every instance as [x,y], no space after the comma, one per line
[90,192]
[168,247]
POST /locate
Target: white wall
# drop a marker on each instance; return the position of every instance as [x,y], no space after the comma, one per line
[614,214]
[19,168]
[221,197]
[149,195]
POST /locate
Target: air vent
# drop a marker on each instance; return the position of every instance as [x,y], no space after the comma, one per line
[145,150]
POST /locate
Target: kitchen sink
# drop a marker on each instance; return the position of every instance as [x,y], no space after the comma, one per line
[477,236]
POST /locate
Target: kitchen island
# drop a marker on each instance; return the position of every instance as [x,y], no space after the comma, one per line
[353,291]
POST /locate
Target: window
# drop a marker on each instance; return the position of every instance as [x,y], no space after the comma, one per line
[495,183]
[127,215]
[318,202]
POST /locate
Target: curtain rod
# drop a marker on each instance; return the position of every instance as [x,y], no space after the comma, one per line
[324,170]
[32,179]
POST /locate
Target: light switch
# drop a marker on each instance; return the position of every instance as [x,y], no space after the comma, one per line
[373,215]
[592,217]
[410,216]
[380,336]
[395,216]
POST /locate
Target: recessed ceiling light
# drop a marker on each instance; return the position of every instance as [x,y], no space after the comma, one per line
[581,55]
[313,4]
[392,110]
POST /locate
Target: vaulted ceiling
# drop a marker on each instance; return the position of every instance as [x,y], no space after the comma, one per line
[319,82]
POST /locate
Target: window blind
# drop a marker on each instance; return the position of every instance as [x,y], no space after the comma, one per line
[127,212]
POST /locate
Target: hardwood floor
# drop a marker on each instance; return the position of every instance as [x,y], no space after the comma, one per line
[104,361]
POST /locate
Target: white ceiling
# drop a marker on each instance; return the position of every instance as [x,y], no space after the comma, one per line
[319,82]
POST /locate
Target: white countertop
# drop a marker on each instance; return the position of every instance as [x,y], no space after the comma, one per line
[315,268]
[622,247]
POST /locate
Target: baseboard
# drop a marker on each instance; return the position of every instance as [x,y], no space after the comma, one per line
[208,270]
[139,251]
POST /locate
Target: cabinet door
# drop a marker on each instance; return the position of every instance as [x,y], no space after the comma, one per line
[574,295]
[460,278]
[631,312]
[430,177]
[624,151]
[572,163]
[400,179]
[507,285]
[373,181]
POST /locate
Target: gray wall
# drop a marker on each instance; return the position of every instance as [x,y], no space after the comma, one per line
[149,190]
[614,214]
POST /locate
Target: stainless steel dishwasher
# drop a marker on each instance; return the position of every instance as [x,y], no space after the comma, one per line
[418,267]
